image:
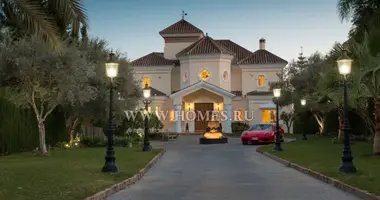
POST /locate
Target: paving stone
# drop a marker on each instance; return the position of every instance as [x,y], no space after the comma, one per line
[190,171]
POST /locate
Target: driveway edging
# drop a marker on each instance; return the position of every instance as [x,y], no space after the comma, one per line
[126,183]
[334,182]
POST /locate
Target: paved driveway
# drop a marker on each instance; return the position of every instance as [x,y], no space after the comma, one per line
[190,171]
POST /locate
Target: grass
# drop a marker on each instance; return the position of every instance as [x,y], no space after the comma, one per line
[65,174]
[319,154]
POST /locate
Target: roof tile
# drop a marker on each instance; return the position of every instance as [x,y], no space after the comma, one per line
[154,59]
[155,92]
[182,26]
[262,56]
[252,93]
[240,52]
[205,45]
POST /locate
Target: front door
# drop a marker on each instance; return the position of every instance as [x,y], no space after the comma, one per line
[201,121]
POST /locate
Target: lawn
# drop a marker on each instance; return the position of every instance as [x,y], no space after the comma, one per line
[319,154]
[65,174]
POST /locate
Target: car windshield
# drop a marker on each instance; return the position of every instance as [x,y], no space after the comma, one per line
[260,127]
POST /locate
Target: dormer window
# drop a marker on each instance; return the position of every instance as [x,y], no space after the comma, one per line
[146,80]
[261,80]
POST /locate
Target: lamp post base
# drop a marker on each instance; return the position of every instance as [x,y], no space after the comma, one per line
[110,167]
[304,137]
[147,147]
[347,168]
[277,147]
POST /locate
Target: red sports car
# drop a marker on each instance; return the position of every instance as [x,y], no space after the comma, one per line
[260,134]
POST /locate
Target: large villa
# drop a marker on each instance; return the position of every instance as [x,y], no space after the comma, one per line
[196,72]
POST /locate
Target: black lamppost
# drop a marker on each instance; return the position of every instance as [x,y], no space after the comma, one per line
[146,101]
[303,103]
[277,145]
[111,71]
[344,66]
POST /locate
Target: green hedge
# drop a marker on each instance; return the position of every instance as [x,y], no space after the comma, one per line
[18,128]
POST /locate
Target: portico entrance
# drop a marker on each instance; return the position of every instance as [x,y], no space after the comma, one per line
[201,121]
[202,96]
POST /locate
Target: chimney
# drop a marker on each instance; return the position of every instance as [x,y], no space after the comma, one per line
[262,43]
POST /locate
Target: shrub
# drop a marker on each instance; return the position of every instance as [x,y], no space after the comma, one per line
[239,127]
[131,125]
[93,142]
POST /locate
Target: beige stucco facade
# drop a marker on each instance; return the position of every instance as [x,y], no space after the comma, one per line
[215,80]
[169,80]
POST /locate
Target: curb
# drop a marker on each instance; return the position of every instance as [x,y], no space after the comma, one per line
[126,183]
[334,182]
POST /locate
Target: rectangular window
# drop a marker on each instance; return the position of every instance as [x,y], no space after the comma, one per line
[146,80]
[261,80]
[172,115]
[268,116]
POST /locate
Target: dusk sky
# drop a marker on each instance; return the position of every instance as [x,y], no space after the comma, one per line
[132,26]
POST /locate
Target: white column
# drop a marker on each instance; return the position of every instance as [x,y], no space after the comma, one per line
[227,124]
[178,116]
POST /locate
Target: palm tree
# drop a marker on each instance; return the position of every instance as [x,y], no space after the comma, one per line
[365,18]
[370,79]
[48,18]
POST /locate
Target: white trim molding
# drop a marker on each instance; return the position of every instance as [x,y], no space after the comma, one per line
[263,66]
[205,85]
[155,69]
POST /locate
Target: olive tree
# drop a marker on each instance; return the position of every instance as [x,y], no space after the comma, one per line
[96,110]
[43,79]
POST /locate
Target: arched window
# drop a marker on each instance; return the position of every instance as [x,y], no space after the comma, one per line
[261,80]
[146,80]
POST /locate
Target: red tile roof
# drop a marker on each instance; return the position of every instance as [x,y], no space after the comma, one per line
[205,45]
[251,93]
[240,52]
[182,26]
[154,59]
[155,92]
[262,56]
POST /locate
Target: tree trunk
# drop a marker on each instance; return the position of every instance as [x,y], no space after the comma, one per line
[288,125]
[72,127]
[376,139]
[41,131]
[320,121]
[71,133]
[370,112]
